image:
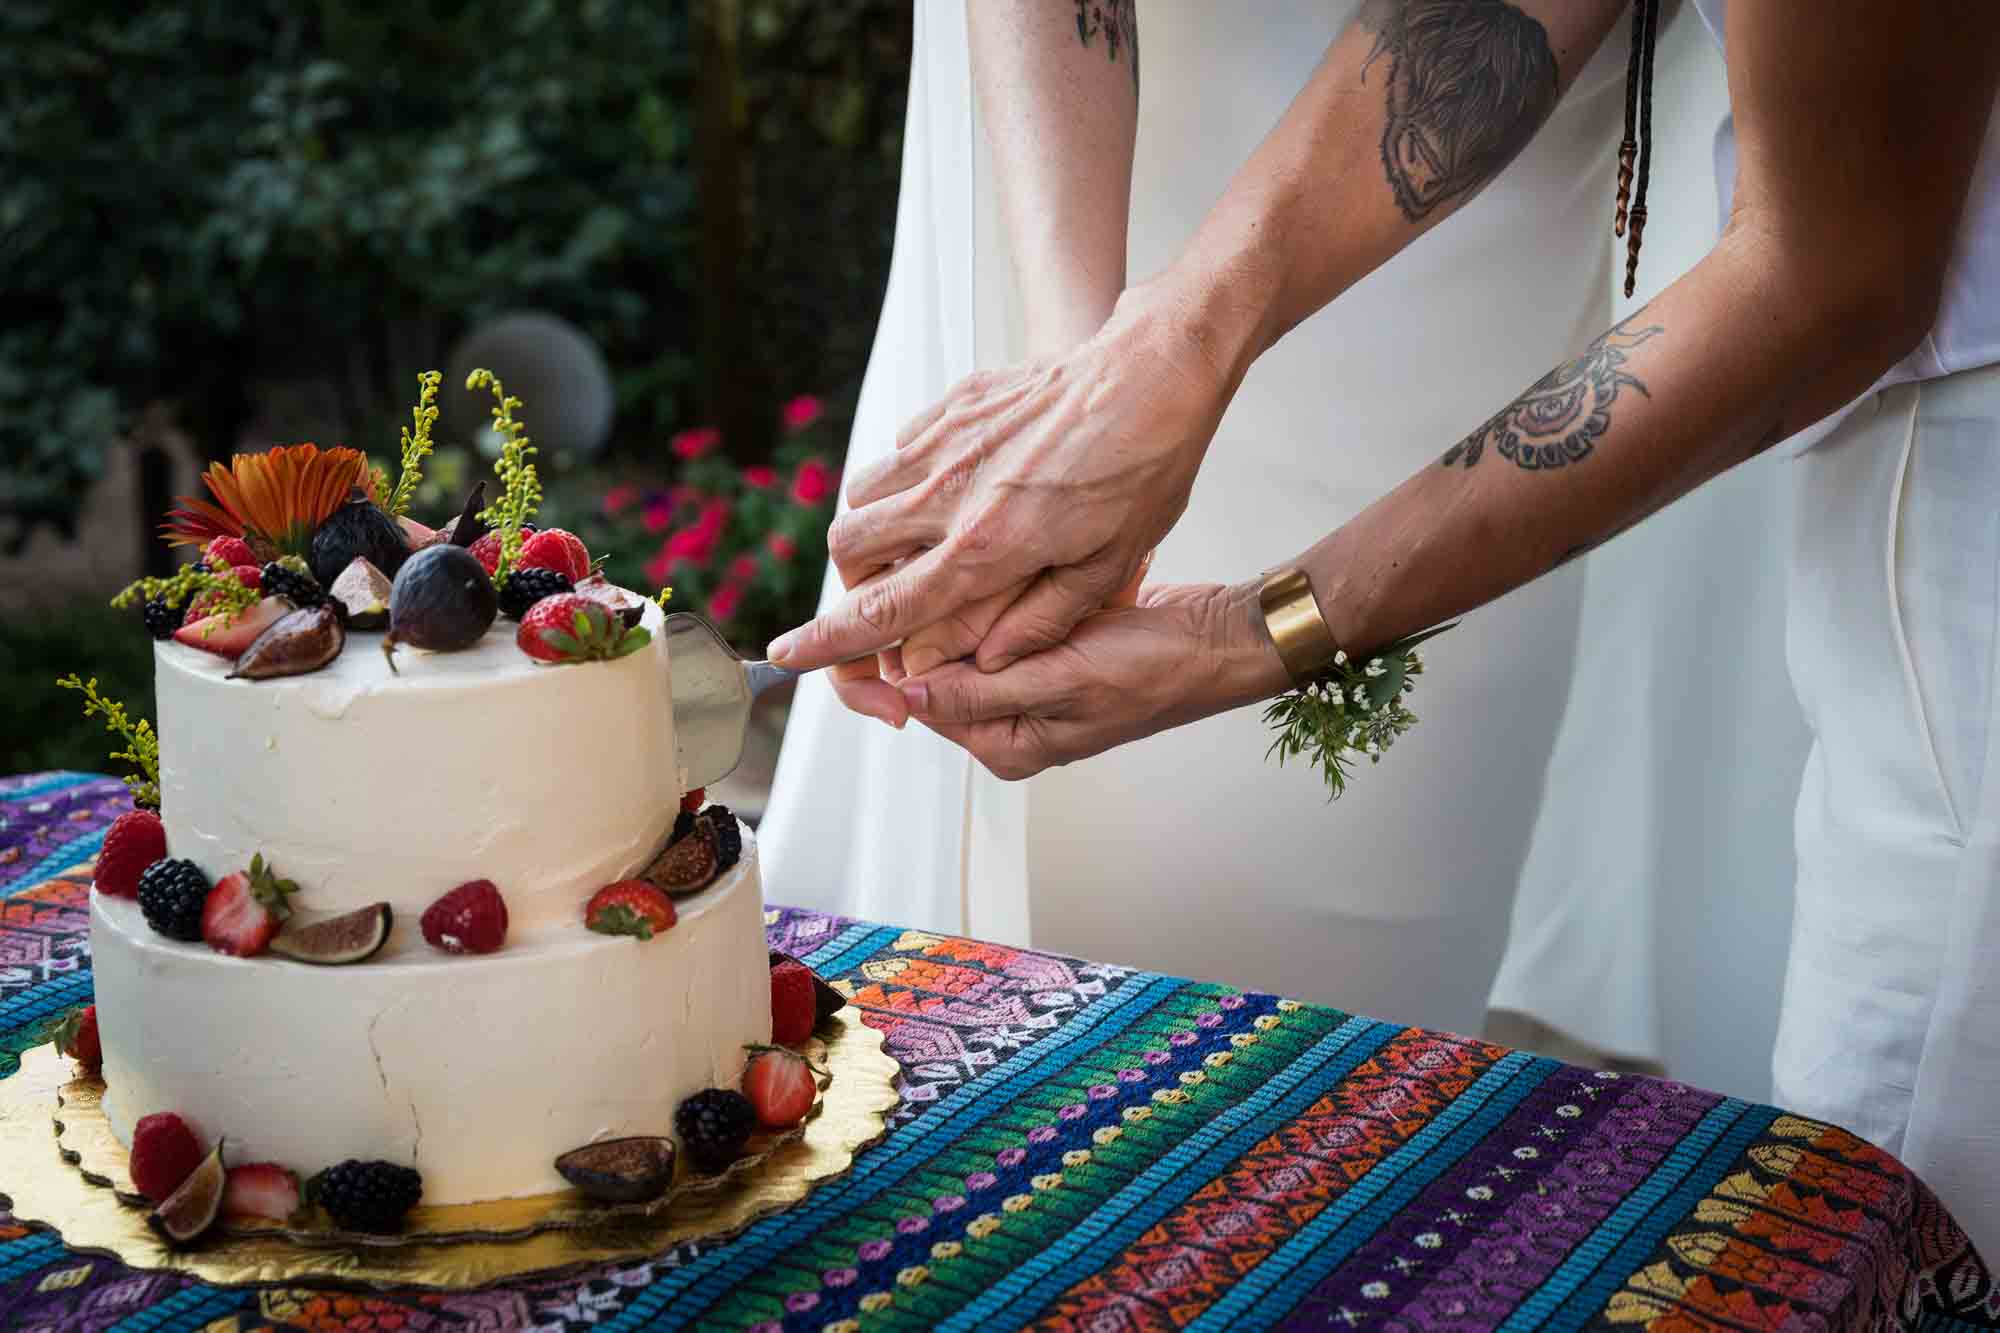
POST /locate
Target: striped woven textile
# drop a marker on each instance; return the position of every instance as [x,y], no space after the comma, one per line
[1085,1146]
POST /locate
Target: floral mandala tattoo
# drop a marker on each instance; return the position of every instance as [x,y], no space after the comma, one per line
[1561,416]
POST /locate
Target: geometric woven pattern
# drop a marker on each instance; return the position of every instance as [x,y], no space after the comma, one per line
[1089,1147]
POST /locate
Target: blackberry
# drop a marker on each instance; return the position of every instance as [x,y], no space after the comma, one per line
[366,1196]
[728,837]
[295,586]
[171,894]
[714,1125]
[525,587]
[162,620]
[683,825]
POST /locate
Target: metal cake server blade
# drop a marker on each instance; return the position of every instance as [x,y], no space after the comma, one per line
[713,689]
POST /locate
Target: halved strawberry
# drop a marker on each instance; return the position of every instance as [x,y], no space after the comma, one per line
[227,553]
[569,628]
[780,1086]
[76,1037]
[261,1189]
[165,1151]
[250,576]
[244,910]
[553,548]
[212,635]
[135,841]
[630,907]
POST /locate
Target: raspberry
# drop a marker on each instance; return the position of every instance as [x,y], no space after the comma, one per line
[165,1152]
[134,842]
[553,548]
[227,553]
[472,918]
[794,1005]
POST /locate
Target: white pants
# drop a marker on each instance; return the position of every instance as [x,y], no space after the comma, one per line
[1891,1017]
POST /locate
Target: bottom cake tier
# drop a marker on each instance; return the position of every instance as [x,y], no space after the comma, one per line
[478,1071]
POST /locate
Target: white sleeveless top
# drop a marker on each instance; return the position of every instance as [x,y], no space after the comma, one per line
[1967,332]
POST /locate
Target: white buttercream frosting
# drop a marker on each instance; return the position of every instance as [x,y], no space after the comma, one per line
[366,785]
[478,1071]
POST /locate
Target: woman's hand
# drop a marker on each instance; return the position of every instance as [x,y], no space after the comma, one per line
[1183,652]
[1056,478]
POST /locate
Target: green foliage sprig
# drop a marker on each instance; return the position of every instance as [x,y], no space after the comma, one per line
[416,443]
[1349,710]
[521,488]
[142,747]
[232,598]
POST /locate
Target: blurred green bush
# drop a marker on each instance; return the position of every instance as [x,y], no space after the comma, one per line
[202,194]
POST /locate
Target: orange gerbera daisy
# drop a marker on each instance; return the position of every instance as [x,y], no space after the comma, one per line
[273,500]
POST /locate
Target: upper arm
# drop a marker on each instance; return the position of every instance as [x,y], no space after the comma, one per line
[1858,128]
[1467,83]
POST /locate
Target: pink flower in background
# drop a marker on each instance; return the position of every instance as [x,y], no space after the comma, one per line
[684,495]
[743,568]
[781,547]
[713,515]
[723,605]
[760,476]
[619,498]
[690,544]
[801,412]
[661,567]
[658,517]
[813,483]
[692,444]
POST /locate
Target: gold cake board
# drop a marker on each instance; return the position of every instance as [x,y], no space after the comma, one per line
[72,1183]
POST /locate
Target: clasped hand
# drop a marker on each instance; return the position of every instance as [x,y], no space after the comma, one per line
[993,562]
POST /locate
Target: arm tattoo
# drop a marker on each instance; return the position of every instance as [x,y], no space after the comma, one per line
[1469,82]
[1118,22]
[1561,416]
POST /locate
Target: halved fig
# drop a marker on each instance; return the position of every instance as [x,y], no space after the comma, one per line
[351,937]
[191,1210]
[620,1170]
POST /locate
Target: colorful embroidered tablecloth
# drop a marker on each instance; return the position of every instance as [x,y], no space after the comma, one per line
[1084,1146]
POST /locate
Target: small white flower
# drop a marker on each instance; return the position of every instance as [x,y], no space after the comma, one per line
[1339,657]
[1375,1291]
[1375,668]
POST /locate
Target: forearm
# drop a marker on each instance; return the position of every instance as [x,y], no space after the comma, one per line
[1743,351]
[1411,112]
[1057,82]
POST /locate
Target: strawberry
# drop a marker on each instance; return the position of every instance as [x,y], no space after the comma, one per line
[472,918]
[135,841]
[211,635]
[553,548]
[164,1153]
[793,1006]
[629,907]
[487,551]
[691,802]
[780,1086]
[250,576]
[569,628]
[260,1189]
[244,910]
[227,553]
[76,1037]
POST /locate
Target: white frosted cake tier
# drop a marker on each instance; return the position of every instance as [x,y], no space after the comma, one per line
[366,786]
[476,1070]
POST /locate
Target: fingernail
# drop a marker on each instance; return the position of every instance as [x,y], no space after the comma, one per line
[918,696]
[783,646]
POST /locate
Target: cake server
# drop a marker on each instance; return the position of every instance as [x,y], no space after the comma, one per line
[713,689]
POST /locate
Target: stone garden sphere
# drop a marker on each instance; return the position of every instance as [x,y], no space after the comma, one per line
[552,366]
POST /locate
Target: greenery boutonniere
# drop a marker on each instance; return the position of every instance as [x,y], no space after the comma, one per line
[1349,710]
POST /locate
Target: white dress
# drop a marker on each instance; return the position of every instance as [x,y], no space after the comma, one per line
[1188,852]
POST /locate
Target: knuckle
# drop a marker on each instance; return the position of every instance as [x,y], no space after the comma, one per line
[880,606]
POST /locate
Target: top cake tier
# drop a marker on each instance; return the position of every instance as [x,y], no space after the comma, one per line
[364,785]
